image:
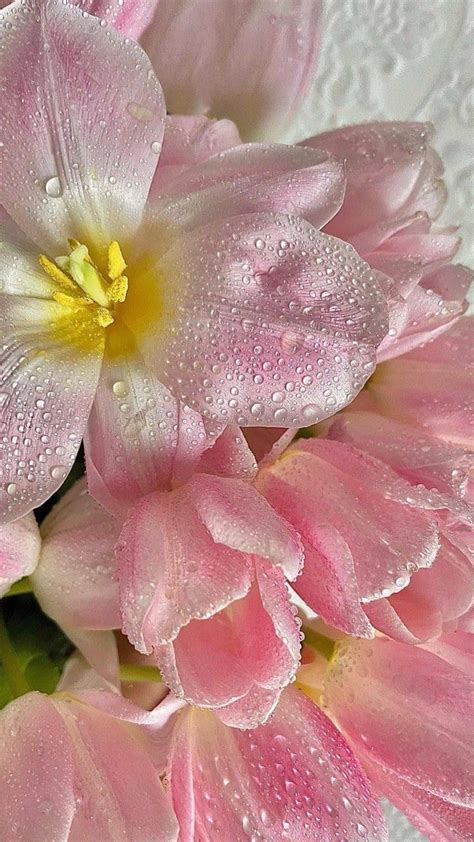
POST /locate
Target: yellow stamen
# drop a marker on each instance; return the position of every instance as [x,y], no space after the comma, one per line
[104,317]
[55,272]
[81,268]
[117,264]
[71,300]
[117,291]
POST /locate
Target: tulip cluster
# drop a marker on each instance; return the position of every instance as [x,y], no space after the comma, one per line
[259,350]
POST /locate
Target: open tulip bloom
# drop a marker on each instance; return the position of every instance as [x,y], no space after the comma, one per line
[273,625]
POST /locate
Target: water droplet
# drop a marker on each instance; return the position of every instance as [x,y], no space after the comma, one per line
[11,488]
[54,187]
[119,389]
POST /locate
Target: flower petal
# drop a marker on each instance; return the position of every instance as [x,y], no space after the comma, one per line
[46,390]
[130,18]
[36,770]
[432,387]
[268,322]
[239,660]
[318,484]
[171,571]
[139,438]
[391,172]
[405,710]
[252,63]
[253,178]
[293,778]
[82,129]
[75,581]
[19,551]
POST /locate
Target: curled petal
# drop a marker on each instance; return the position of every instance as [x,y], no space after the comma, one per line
[280,330]
[391,172]
[293,778]
[186,555]
[250,62]
[362,538]
[239,660]
[80,138]
[19,551]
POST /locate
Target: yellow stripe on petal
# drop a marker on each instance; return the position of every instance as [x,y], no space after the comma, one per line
[117,264]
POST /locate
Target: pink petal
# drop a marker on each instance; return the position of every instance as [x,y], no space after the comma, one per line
[36,770]
[405,710]
[130,18]
[253,178]
[250,63]
[431,387]
[267,443]
[186,555]
[154,439]
[80,139]
[230,456]
[293,778]
[170,570]
[75,581]
[416,455]
[432,599]
[240,659]
[19,551]
[46,390]
[391,172]
[191,140]
[268,342]
[361,541]
[99,648]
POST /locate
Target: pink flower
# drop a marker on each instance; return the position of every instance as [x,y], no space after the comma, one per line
[363,533]
[202,585]
[162,321]
[72,770]
[293,778]
[404,711]
[394,192]
[19,551]
[251,62]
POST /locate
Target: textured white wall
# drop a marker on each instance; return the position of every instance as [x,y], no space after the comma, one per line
[403,59]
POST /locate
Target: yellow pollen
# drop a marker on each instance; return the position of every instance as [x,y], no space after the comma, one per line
[118,289]
[116,262]
[85,284]
[55,272]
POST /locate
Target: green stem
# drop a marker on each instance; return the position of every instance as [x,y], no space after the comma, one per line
[23,586]
[323,645]
[13,672]
[137,672]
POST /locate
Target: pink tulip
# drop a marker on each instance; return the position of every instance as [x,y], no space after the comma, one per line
[394,192]
[252,62]
[293,778]
[19,551]
[70,770]
[161,322]
[406,712]
[364,532]
[202,585]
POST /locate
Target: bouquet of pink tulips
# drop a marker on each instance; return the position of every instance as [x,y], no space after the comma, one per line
[235,441]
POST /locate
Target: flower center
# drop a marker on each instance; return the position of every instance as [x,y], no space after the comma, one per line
[82,285]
